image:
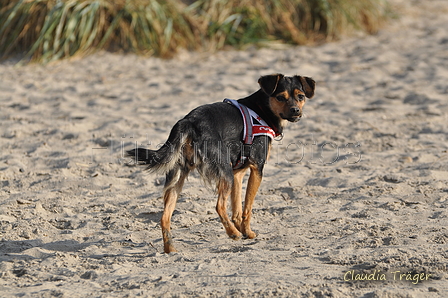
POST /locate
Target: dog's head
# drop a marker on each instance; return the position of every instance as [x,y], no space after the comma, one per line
[287,95]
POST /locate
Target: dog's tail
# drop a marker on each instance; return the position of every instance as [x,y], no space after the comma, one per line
[171,153]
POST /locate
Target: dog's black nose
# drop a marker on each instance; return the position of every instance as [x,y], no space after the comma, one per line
[295,111]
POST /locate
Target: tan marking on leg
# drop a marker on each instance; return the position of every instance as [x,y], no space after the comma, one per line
[170,196]
[268,155]
[252,187]
[224,190]
[188,153]
[237,208]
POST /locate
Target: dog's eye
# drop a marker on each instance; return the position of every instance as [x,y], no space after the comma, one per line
[281,98]
[301,97]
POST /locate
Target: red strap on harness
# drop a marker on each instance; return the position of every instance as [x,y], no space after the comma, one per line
[250,130]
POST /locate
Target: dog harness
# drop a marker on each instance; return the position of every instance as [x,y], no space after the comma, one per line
[254,126]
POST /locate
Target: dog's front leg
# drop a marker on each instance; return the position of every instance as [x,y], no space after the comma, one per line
[252,187]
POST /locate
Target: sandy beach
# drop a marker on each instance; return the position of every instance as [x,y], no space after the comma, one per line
[353,203]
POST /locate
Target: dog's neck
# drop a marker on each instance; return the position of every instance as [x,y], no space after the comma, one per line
[259,102]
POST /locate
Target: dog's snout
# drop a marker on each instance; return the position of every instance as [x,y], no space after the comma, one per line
[295,111]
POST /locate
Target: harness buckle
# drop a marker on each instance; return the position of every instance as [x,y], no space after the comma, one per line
[279,137]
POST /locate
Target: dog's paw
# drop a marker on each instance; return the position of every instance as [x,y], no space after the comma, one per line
[236,236]
[250,235]
[169,248]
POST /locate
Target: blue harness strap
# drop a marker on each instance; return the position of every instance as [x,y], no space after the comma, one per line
[251,130]
[249,135]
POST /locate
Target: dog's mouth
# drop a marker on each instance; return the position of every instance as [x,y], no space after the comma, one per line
[292,118]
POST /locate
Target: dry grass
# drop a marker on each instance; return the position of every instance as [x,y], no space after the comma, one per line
[53,29]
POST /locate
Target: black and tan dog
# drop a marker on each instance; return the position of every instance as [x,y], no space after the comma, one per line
[218,140]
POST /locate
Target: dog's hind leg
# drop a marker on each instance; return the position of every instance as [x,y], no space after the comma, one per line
[237,208]
[173,186]
[252,187]
[224,190]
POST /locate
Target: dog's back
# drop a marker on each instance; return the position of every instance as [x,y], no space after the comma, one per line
[208,138]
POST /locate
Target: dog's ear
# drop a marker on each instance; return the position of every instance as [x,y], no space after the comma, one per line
[269,83]
[308,85]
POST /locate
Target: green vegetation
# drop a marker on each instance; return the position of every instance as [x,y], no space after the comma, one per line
[47,30]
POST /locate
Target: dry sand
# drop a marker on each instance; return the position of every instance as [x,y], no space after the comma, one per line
[358,186]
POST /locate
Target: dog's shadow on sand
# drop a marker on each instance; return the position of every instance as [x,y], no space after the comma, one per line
[38,250]
[150,217]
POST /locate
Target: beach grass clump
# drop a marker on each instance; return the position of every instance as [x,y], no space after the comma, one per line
[47,30]
[51,29]
[239,22]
